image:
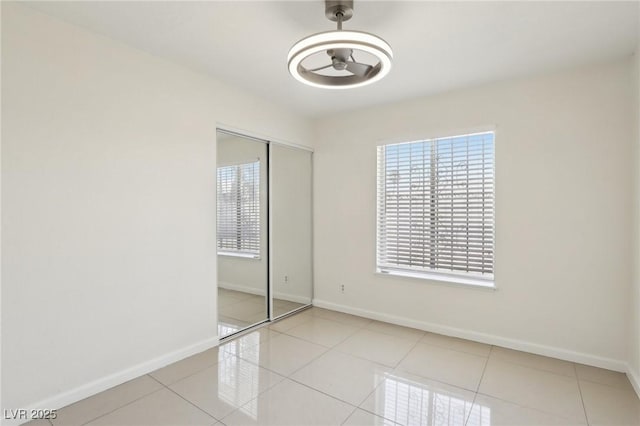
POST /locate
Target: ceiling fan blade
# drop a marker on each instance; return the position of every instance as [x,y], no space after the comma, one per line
[358,69]
[320,68]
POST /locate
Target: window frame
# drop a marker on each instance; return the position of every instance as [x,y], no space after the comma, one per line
[454,278]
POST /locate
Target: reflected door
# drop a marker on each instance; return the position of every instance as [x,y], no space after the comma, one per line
[242,232]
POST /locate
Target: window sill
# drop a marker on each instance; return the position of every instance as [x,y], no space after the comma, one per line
[239,255]
[441,278]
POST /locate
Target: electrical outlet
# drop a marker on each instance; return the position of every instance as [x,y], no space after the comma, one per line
[286,278]
[342,288]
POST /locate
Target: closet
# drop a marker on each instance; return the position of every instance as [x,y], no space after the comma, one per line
[264,230]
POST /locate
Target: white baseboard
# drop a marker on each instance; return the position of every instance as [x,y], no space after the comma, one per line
[259,292]
[634,378]
[292,298]
[550,351]
[89,389]
[242,288]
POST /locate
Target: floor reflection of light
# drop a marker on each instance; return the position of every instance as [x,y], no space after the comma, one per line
[238,380]
[414,403]
[225,329]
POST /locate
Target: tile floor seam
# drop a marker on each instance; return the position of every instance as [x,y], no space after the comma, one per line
[395,422]
[529,407]
[322,392]
[257,395]
[316,343]
[185,377]
[484,369]
[392,367]
[310,361]
[122,406]
[431,378]
[605,384]
[301,384]
[216,420]
[536,368]
[424,332]
[473,403]
[543,371]
[408,339]
[575,370]
[349,416]
[295,371]
[171,390]
[332,320]
[454,349]
[475,394]
[344,313]
[369,411]
[246,403]
[406,355]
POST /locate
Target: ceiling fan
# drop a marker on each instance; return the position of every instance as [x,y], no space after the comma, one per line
[328,59]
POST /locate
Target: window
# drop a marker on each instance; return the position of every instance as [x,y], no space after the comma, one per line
[436,208]
[239,209]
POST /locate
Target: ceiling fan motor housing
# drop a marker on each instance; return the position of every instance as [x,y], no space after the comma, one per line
[335,7]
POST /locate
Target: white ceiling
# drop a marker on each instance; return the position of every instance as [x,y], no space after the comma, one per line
[438,46]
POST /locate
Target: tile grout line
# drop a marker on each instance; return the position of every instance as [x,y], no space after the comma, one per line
[544,370]
[298,383]
[349,416]
[316,343]
[176,393]
[484,370]
[442,346]
[584,409]
[192,403]
[323,393]
[122,406]
[475,395]
[415,345]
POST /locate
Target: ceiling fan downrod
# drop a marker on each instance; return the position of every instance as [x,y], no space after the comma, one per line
[338,11]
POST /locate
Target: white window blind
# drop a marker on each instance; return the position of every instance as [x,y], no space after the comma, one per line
[239,208]
[436,206]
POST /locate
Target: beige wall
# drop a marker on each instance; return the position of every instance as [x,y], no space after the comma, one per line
[563,214]
[108,196]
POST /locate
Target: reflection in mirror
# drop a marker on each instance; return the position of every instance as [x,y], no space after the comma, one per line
[290,197]
[241,232]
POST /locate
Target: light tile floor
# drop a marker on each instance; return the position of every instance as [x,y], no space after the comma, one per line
[238,310]
[320,367]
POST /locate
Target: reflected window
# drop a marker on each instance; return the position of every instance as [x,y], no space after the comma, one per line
[407,402]
[239,209]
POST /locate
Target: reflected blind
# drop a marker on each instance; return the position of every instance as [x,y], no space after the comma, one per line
[436,206]
[239,208]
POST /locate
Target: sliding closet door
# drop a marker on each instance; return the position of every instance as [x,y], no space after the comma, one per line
[291,228]
[242,232]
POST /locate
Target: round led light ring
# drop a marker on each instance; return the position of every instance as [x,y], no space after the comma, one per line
[336,40]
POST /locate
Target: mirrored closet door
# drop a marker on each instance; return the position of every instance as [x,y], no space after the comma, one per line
[242,216]
[264,235]
[291,273]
